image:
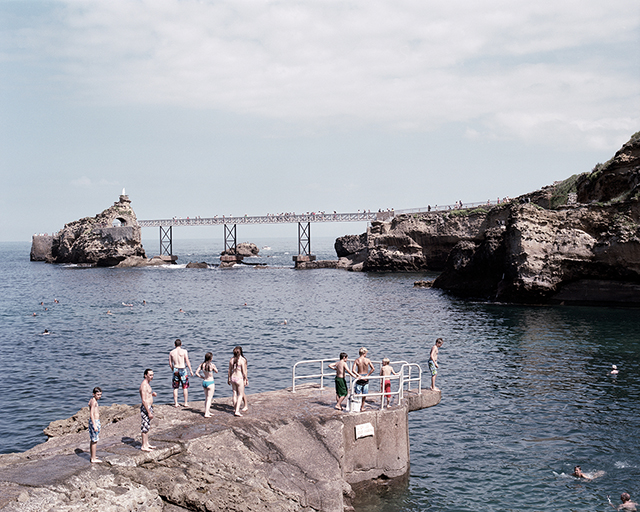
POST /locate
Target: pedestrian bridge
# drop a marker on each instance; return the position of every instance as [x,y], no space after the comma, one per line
[303,220]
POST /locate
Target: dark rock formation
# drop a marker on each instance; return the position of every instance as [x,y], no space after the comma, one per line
[41,248]
[534,249]
[244,249]
[111,238]
[195,264]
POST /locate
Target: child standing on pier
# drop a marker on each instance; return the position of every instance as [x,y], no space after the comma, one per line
[341,367]
[385,371]
[433,363]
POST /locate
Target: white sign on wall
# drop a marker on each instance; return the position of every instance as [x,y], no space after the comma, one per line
[364,430]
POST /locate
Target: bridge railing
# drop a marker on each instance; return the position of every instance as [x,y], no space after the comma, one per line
[268,219]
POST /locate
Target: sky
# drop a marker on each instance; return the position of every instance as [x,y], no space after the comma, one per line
[206,108]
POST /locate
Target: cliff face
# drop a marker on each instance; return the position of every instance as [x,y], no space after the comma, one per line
[95,240]
[523,251]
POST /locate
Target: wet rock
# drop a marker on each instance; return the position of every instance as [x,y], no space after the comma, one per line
[196,264]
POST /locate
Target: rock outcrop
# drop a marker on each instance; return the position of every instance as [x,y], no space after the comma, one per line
[244,249]
[291,452]
[111,238]
[534,249]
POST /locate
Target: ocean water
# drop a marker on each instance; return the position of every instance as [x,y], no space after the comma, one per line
[527,392]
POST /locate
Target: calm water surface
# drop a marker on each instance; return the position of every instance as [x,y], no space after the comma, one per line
[526,390]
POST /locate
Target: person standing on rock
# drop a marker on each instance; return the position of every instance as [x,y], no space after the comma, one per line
[433,363]
[208,383]
[237,379]
[341,367]
[363,367]
[179,361]
[94,424]
[146,409]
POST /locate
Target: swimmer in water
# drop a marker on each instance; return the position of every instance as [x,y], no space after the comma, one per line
[626,504]
[181,311]
[46,331]
[614,369]
[577,472]
[109,312]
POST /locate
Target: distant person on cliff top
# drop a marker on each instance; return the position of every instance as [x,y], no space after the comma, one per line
[363,367]
[341,367]
[146,409]
[208,383]
[433,363]
[626,504]
[385,371]
[179,361]
[94,424]
[237,379]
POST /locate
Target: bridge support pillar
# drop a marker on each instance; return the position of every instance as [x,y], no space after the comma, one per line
[166,241]
[304,244]
[229,257]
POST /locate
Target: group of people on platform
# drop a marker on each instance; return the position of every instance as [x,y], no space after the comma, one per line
[362,368]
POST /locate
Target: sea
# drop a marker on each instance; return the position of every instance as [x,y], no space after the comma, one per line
[527,392]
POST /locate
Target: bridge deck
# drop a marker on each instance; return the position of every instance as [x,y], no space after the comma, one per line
[269,219]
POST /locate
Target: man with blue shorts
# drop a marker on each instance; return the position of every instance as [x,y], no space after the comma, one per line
[363,367]
[179,361]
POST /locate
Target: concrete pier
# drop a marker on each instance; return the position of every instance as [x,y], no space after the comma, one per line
[290,452]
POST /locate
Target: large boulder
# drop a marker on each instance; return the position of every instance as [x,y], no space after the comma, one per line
[244,249]
[106,240]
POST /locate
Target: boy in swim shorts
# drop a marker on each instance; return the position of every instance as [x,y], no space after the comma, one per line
[94,424]
[341,368]
[433,363]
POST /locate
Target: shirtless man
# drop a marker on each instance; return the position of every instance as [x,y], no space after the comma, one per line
[341,368]
[94,424]
[433,363]
[146,409]
[363,367]
[626,504]
[178,358]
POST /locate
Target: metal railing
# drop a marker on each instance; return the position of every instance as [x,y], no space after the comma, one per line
[409,375]
[285,218]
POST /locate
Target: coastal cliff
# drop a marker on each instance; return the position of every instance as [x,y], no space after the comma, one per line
[534,249]
[290,452]
[111,238]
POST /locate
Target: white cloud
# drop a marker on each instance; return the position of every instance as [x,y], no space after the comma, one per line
[546,71]
[82,182]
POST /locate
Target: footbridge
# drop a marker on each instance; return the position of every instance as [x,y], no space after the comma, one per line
[304,222]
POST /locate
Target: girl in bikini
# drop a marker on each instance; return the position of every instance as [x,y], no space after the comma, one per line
[208,383]
[238,380]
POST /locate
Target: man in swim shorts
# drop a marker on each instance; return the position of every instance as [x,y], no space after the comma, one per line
[179,361]
[433,363]
[94,424]
[341,368]
[146,409]
[363,367]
